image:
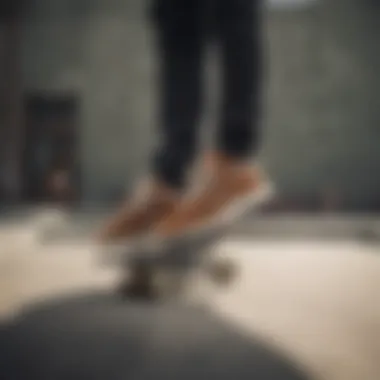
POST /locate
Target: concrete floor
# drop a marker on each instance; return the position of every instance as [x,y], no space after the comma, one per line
[317,302]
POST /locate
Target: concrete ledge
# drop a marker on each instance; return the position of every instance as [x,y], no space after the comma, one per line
[287,226]
[323,227]
[81,225]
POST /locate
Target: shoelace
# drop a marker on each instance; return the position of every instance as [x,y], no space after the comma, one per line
[202,181]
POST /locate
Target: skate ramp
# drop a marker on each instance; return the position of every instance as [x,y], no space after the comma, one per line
[95,336]
[296,309]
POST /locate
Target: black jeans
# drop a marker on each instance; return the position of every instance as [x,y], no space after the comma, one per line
[184,28]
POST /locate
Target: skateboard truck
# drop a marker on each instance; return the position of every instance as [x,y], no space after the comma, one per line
[151,276]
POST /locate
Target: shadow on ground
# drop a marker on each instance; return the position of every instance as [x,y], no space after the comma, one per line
[99,336]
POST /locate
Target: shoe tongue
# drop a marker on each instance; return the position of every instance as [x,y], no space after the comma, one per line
[222,164]
[151,189]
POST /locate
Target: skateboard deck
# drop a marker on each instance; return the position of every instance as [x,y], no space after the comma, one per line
[164,273]
[172,263]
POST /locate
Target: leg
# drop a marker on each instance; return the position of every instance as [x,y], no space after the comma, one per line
[235,186]
[180,34]
[238,33]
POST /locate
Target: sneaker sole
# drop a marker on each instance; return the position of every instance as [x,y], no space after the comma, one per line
[219,224]
[152,246]
[240,207]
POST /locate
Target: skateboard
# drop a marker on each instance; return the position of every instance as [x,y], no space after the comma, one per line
[166,271]
[164,274]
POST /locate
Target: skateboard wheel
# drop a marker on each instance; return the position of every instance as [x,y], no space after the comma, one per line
[222,271]
[139,285]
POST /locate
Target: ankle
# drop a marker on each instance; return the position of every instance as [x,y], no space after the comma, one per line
[222,164]
[164,191]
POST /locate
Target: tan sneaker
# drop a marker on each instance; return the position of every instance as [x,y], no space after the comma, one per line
[234,187]
[152,202]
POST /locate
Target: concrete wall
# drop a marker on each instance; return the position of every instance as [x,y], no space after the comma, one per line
[321,123]
[99,50]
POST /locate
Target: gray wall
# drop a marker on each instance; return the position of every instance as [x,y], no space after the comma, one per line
[321,125]
[100,50]
[322,121]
